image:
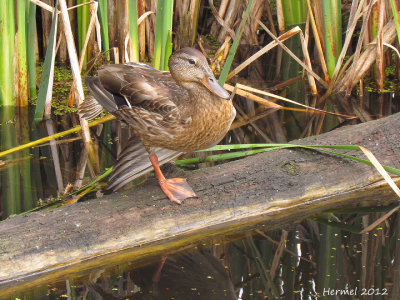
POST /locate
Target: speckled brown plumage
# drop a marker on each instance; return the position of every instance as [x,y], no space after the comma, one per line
[183,110]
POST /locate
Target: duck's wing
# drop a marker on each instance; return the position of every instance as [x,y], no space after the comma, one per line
[142,86]
[134,162]
[100,99]
[149,91]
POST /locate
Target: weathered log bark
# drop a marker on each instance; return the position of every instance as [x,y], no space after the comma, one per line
[273,189]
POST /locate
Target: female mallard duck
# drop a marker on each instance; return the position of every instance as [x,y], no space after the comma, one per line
[183,110]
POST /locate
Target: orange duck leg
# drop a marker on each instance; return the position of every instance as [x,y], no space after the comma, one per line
[176,189]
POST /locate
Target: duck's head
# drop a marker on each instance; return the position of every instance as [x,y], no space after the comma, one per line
[189,68]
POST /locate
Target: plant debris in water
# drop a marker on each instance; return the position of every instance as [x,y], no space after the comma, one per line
[61,88]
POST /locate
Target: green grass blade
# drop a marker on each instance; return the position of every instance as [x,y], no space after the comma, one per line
[225,156]
[90,184]
[46,81]
[219,157]
[235,44]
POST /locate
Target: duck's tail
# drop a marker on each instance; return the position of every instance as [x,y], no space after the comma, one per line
[134,162]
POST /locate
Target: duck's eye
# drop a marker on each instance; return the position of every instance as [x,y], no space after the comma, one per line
[191,61]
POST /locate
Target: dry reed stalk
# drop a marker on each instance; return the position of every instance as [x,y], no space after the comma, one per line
[251,27]
[318,43]
[307,61]
[185,18]
[322,82]
[115,51]
[93,15]
[262,51]
[270,17]
[112,14]
[363,36]
[221,13]
[278,253]
[294,254]
[144,16]
[122,26]
[73,58]
[150,27]
[220,55]
[241,87]
[246,120]
[61,48]
[380,62]
[141,9]
[46,25]
[285,83]
[251,96]
[367,58]
[55,156]
[93,18]
[231,15]
[316,6]
[98,33]
[320,120]
[355,14]
[194,12]
[280,16]
[222,22]
[43,5]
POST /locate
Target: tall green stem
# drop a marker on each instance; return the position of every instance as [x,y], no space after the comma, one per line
[103,16]
[31,50]
[22,72]
[7,27]
[133,29]
[294,11]
[162,46]
[83,25]
[331,11]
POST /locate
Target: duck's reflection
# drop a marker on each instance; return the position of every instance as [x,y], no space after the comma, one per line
[192,275]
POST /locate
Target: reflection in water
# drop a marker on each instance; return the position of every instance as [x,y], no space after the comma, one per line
[193,275]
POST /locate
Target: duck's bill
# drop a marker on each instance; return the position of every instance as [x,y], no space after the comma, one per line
[212,84]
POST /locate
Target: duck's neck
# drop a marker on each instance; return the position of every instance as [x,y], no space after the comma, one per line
[198,92]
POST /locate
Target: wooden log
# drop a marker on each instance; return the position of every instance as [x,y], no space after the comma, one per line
[271,189]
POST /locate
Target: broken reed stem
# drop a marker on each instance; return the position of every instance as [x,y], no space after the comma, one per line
[262,51]
[320,80]
[355,14]
[318,43]
[73,58]
[357,54]
[307,60]
[51,8]
[55,136]
[92,22]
